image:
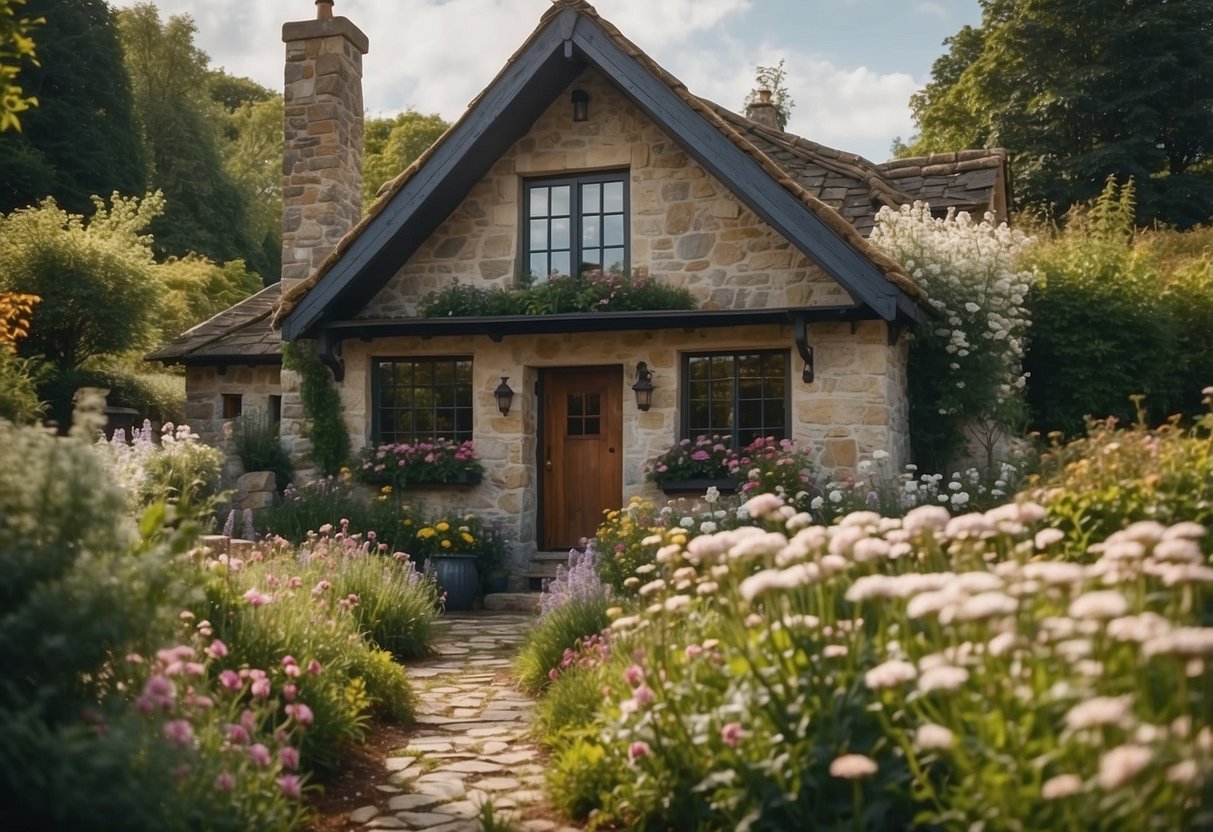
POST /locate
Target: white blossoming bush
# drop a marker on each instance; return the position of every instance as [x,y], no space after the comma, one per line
[177,468]
[966,361]
[929,671]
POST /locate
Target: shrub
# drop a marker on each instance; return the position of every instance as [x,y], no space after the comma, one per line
[595,291]
[554,633]
[778,467]
[965,373]
[260,449]
[180,469]
[326,501]
[321,405]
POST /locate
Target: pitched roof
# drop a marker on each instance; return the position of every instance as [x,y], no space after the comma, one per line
[240,334]
[570,36]
[968,180]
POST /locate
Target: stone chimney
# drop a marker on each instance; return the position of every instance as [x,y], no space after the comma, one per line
[762,110]
[322,158]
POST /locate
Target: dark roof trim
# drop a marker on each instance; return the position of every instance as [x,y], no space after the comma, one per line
[524,88]
[233,360]
[495,328]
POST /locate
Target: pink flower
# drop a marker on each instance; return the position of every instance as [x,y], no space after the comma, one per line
[638,749]
[237,734]
[230,679]
[179,731]
[290,785]
[217,650]
[634,675]
[289,756]
[289,692]
[225,782]
[643,695]
[302,713]
[261,688]
[313,667]
[256,598]
[260,754]
[287,661]
[731,734]
[701,456]
[194,668]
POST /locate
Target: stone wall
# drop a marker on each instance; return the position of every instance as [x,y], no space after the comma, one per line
[686,227]
[855,406]
[206,386]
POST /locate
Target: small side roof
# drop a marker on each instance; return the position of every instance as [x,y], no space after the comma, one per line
[571,36]
[976,181]
[240,334]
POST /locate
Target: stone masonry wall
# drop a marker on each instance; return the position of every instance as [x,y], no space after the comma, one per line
[686,227]
[855,406]
[205,387]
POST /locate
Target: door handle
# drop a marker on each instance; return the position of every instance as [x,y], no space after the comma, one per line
[547,466]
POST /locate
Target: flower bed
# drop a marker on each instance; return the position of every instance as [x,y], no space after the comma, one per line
[403,465]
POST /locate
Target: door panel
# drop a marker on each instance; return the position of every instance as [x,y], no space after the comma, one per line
[582,452]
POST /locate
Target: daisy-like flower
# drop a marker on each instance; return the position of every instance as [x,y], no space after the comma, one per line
[853,767]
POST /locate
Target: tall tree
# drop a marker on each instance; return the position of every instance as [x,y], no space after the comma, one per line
[16,47]
[81,139]
[205,212]
[1079,90]
[391,145]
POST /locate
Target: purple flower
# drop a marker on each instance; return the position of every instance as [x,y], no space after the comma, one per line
[260,754]
[290,785]
[179,731]
[230,679]
[638,749]
[301,713]
[289,756]
[224,782]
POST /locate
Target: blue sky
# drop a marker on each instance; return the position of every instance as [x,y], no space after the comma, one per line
[852,64]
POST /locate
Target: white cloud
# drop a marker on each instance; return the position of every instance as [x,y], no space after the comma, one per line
[931,9]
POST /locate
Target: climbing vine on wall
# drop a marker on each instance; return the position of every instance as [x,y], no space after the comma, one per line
[321,406]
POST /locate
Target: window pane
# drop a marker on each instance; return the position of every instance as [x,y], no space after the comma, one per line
[539,235]
[444,424]
[698,368]
[612,258]
[591,199]
[612,231]
[593,405]
[575,402]
[560,262]
[589,232]
[539,265]
[539,202]
[574,426]
[612,197]
[560,201]
[560,234]
[591,426]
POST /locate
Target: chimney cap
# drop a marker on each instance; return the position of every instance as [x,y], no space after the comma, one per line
[324,9]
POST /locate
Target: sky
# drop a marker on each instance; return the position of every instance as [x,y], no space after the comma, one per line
[851,65]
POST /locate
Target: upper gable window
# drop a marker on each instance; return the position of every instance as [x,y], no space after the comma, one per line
[576,224]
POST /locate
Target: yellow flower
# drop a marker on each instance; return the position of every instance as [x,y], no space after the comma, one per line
[446,544]
[678,539]
[443,526]
[344,470]
[468,539]
[426,533]
[387,489]
[408,521]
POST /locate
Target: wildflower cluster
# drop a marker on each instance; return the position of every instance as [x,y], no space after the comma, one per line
[777,466]
[578,582]
[403,464]
[962,653]
[174,466]
[966,362]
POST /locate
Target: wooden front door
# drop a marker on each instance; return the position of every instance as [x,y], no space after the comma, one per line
[581,455]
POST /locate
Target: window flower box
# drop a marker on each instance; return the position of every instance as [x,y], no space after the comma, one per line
[440,463]
[725,485]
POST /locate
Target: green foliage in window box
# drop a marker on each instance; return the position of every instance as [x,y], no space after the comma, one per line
[321,405]
[595,291]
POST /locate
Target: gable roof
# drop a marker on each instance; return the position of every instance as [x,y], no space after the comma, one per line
[240,334]
[571,36]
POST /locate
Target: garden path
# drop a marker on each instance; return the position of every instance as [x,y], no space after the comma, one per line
[471,743]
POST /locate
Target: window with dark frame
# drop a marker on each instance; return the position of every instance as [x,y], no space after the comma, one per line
[233,405]
[421,399]
[573,225]
[741,395]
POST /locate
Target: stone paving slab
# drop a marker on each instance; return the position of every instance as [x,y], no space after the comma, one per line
[472,741]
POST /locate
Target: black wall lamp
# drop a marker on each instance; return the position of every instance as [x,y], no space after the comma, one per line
[581,105]
[643,388]
[504,396]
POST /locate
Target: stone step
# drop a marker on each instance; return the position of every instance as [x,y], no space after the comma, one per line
[561,557]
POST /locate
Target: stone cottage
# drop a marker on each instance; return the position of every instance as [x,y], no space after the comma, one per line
[582,152]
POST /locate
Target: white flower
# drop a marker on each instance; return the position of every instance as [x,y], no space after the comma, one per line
[943,677]
[707,527]
[759,584]
[1120,765]
[817,503]
[711,495]
[933,737]
[1099,606]
[687,522]
[762,505]
[1047,537]
[880,455]
[1063,785]
[835,496]
[1184,772]
[651,587]
[984,605]
[890,674]
[853,767]
[1098,711]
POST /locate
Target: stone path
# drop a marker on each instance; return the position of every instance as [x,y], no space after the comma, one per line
[471,742]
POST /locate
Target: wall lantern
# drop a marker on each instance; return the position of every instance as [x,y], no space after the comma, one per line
[643,388]
[504,396]
[581,105]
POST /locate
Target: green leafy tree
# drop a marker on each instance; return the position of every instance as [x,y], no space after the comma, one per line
[96,277]
[193,289]
[252,156]
[81,139]
[774,78]
[205,211]
[391,145]
[1078,90]
[16,46]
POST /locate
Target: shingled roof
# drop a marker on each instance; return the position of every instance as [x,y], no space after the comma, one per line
[240,334]
[812,175]
[969,180]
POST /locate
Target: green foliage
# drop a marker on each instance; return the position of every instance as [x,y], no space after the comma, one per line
[391,145]
[774,79]
[156,395]
[16,46]
[596,291]
[193,289]
[260,449]
[181,125]
[252,156]
[96,278]
[395,609]
[1095,485]
[1129,100]
[19,400]
[82,138]
[555,632]
[580,776]
[326,501]
[321,406]
[1117,313]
